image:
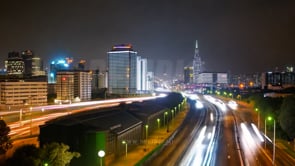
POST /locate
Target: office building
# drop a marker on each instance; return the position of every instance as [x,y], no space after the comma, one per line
[14,64]
[188,75]
[278,80]
[73,84]
[82,85]
[37,67]
[141,75]
[27,57]
[24,64]
[64,86]
[122,66]
[150,81]
[21,93]
[56,65]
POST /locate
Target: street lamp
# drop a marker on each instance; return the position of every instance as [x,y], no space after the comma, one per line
[258,121]
[101,154]
[265,130]
[146,132]
[126,146]
[274,139]
[20,116]
[158,121]
[172,114]
[31,120]
[165,114]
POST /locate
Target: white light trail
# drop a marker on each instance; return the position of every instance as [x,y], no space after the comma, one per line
[257,132]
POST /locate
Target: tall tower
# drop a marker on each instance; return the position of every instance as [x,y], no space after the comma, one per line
[197,64]
[122,70]
[27,56]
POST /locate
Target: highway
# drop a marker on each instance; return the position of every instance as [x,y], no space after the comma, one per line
[206,137]
[171,152]
[25,122]
[220,134]
[258,148]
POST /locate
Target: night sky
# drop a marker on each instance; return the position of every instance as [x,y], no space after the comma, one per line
[241,36]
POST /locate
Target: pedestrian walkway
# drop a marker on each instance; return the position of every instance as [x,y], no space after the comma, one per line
[154,140]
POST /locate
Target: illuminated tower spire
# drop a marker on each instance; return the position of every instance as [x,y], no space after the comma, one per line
[197,63]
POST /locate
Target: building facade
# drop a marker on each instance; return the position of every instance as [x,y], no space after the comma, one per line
[64,86]
[141,75]
[71,84]
[82,85]
[122,66]
[188,75]
[15,94]
[56,65]
[278,80]
[14,64]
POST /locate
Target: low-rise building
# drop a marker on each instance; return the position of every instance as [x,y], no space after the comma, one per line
[22,93]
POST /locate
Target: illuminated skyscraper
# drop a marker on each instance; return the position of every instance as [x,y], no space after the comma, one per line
[122,62]
[197,64]
[14,64]
[27,57]
[61,64]
[24,64]
[141,74]
[188,74]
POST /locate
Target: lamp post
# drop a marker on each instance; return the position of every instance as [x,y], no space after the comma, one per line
[258,120]
[274,140]
[165,114]
[158,121]
[20,116]
[126,147]
[101,154]
[172,114]
[146,132]
[265,133]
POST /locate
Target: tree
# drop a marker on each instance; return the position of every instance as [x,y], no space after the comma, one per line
[287,116]
[5,141]
[52,154]
[26,155]
[57,154]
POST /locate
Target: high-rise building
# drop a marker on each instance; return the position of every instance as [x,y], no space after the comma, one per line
[141,75]
[122,66]
[64,86]
[82,85]
[14,64]
[27,57]
[37,66]
[197,64]
[61,64]
[188,74]
[25,64]
[150,81]
[71,84]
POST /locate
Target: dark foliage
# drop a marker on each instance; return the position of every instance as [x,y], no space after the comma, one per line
[5,141]
[27,155]
[287,116]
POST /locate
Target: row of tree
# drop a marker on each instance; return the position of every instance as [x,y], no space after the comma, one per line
[280,108]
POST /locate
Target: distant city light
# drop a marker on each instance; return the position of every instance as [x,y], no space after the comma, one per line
[61,61]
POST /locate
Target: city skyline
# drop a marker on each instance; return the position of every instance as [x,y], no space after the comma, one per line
[241,37]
